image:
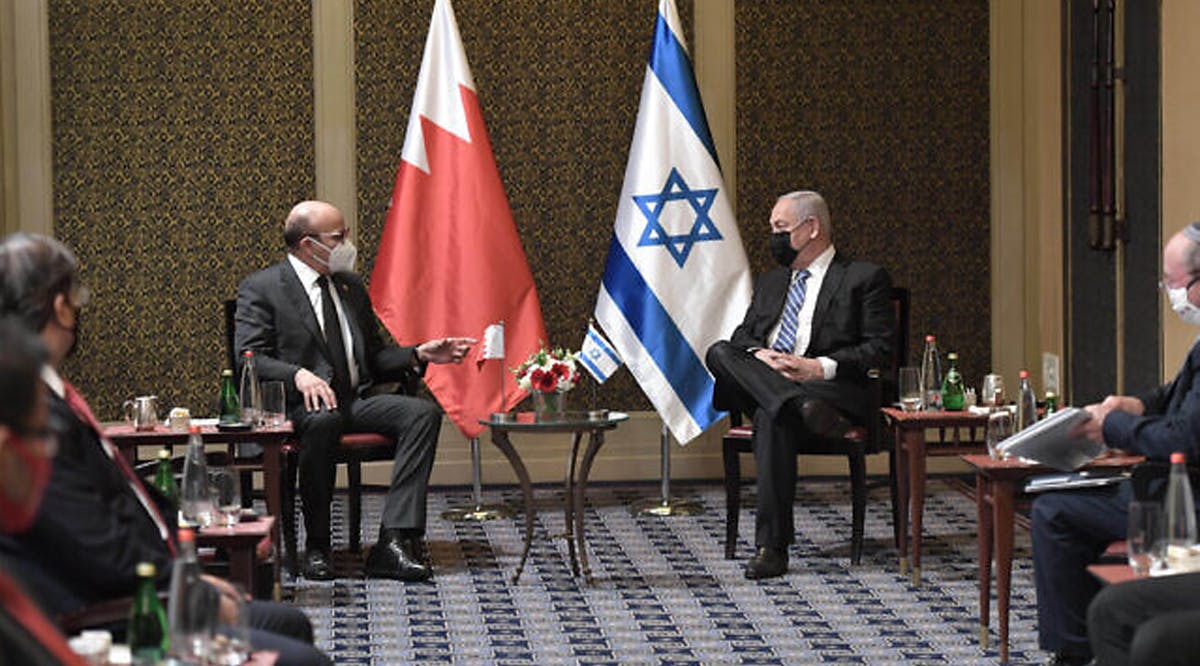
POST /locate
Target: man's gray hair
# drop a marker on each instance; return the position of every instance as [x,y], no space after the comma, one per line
[809,203]
[33,270]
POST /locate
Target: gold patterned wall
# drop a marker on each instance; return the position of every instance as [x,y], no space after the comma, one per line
[883,107]
[559,83]
[182,132]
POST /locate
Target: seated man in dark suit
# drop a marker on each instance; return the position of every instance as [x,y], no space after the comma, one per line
[798,362]
[27,446]
[1150,622]
[1070,529]
[98,520]
[309,322]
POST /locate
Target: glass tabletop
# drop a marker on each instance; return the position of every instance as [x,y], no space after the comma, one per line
[577,420]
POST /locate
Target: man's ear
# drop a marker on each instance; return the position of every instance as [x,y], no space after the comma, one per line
[64,314]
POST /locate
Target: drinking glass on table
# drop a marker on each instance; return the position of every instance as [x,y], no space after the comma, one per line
[274,404]
[992,392]
[226,489]
[999,427]
[910,389]
[231,640]
[1144,538]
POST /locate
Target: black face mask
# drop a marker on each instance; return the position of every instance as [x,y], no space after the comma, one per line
[781,248]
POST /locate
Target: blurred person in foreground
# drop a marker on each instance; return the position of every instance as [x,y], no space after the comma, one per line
[98,519]
[308,320]
[1070,529]
[27,448]
[798,362]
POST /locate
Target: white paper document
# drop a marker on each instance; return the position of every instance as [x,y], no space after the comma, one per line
[1049,442]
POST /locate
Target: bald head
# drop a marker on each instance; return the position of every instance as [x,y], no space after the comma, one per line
[311,217]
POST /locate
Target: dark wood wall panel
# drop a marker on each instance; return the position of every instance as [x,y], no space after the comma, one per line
[182,132]
[883,108]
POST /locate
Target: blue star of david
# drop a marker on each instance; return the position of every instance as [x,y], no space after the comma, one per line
[652,206]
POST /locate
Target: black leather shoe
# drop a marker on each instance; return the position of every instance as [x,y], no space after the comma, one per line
[767,563]
[399,558]
[316,566]
[821,419]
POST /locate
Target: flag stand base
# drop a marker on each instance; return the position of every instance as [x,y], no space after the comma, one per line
[478,513]
[664,505]
[665,508]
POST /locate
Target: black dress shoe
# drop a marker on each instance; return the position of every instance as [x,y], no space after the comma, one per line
[316,566]
[399,558]
[767,563]
[821,419]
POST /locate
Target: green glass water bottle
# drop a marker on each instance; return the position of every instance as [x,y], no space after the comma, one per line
[231,407]
[952,386]
[164,478]
[147,632]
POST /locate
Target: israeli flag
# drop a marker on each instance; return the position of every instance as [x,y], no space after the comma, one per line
[600,359]
[676,279]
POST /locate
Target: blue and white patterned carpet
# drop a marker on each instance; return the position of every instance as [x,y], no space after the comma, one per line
[664,594]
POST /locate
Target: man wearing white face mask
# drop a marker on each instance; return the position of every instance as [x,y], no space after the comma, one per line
[309,322]
[1072,528]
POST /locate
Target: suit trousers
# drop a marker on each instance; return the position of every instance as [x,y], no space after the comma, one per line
[1070,529]
[285,630]
[750,386]
[413,422]
[1150,622]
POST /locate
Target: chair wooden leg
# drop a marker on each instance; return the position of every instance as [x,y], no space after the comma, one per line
[858,495]
[354,476]
[733,498]
[291,468]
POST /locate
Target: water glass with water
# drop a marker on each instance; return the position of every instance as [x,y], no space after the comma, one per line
[274,404]
[227,495]
[910,389]
[1144,539]
[999,427]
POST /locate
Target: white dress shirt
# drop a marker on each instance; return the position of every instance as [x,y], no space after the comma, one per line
[308,279]
[816,277]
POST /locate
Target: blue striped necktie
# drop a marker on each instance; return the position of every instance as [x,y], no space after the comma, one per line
[786,340]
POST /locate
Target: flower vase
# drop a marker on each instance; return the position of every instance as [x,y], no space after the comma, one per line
[549,405]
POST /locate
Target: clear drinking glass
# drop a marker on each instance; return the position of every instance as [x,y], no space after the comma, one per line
[992,391]
[999,427]
[226,490]
[910,389]
[231,640]
[274,404]
[1144,539]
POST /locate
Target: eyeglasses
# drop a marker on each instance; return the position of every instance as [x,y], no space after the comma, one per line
[1162,284]
[335,236]
[781,229]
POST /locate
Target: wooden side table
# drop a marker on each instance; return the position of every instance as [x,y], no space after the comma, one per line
[240,542]
[996,484]
[577,424]
[910,429]
[272,440]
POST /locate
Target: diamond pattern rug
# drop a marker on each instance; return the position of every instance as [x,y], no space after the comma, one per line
[663,592]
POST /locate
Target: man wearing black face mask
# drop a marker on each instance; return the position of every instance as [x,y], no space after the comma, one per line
[798,361]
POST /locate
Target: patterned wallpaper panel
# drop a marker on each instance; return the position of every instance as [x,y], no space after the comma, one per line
[559,83]
[883,108]
[182,133]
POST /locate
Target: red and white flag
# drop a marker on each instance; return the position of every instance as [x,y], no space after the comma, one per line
[450,262]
